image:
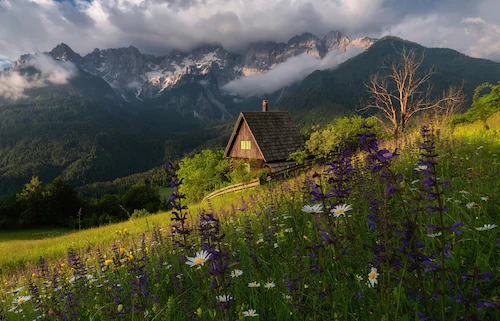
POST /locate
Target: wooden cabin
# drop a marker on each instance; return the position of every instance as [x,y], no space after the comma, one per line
[264,139]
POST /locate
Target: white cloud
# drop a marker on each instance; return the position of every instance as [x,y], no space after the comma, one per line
[487,37]
[288,72]
[14,83]
[157,26]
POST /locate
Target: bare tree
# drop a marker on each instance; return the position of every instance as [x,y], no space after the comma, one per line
[400,92]
[450,106]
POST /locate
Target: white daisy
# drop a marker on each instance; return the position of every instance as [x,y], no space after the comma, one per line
[250,313]
[340,210]
[223,298]
[21,299]
[253,284]
[484,198]
[372,277]
[236,273]
[200,258]
[470,205]
[269,285]
[420,168]
[359,277]
[434,234]
[314,209]
[486,227]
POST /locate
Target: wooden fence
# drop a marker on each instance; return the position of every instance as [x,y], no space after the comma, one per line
[233,188]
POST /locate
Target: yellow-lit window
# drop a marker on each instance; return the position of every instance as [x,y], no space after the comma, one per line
[246,144]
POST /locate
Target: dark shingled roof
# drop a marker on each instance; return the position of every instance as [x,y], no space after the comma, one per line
[274,132]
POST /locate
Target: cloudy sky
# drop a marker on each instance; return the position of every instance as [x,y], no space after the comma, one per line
[157,26]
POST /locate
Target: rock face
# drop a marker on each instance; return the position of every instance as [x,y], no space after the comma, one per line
[63,52]
[335,40]
[137,78]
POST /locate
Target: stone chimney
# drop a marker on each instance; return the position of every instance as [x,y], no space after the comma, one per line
[264,106]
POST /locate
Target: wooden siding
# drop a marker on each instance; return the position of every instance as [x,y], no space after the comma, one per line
[244,133]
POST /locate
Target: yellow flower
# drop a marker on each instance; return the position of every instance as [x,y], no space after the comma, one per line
[122,250]
[107,262]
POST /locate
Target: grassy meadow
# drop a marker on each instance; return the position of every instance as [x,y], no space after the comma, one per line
[382,234]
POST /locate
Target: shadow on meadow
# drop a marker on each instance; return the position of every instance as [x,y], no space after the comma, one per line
[375,234]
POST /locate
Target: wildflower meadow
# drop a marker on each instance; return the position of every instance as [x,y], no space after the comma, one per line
[404,231]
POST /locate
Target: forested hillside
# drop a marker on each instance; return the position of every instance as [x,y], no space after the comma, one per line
[83,141]
[341,90]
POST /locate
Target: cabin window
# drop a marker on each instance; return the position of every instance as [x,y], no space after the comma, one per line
[246,144]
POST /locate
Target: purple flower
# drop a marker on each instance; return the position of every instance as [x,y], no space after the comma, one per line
[455,226]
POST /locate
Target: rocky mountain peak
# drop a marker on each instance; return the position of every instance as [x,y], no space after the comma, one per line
[335,40]
[305,43]
[363,42]
[63,52]
[305,37]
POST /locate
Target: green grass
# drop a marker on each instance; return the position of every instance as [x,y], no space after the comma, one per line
[24,247]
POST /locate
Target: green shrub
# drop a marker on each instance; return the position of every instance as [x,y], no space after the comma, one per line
[341,133]
[203,173]
[483,106]
[140,213]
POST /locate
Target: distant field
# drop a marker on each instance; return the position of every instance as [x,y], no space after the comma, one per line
[19,248]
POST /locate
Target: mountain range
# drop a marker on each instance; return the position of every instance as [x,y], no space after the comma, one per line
[114,112]
[140,79]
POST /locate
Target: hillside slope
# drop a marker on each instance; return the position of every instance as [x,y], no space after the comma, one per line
[342,89]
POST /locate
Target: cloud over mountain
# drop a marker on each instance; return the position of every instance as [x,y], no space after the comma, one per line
[288,72]
[48,71]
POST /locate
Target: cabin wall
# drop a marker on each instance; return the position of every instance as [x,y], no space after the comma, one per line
[245,134]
